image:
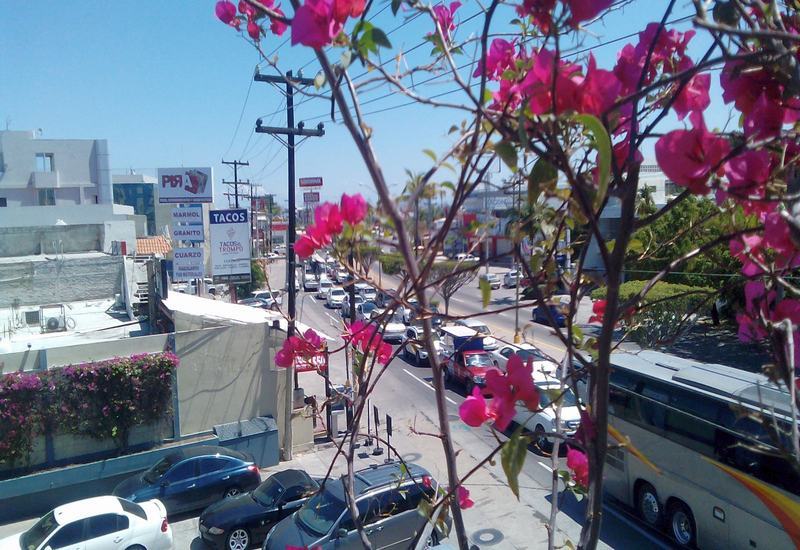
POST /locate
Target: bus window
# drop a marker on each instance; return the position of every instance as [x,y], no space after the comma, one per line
[652,413]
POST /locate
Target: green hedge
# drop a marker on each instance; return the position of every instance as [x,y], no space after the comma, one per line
[680,296]
[391,263]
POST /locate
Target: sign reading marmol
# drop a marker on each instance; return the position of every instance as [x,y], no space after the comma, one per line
[230,246]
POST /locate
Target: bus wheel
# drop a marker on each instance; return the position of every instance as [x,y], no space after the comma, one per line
[681,523]
[647,505]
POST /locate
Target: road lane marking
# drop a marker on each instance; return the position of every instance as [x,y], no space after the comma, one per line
[427,385]
[332,318]
[312,299]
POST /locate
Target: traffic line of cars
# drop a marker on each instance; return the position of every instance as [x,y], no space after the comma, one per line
[289,508]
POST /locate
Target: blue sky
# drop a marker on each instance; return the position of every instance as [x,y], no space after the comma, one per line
[165,83]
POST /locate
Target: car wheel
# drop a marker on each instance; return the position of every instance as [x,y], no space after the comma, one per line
[648,506]
[238,539]
[232,492]
[682,526]
[135,547]
[542,442]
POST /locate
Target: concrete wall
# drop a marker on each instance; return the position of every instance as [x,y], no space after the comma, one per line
[60,280]
[226,374]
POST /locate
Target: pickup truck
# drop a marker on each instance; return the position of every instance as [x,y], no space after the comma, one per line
[463,357]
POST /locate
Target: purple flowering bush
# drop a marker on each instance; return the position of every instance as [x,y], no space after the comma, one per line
[103,400]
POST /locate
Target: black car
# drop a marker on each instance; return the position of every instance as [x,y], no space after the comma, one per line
[193,478]
[237,523]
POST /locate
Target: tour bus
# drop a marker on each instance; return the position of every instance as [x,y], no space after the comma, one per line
[702,466]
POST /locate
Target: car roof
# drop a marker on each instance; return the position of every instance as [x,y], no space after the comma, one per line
[290,477]
[87,507]
[380,475]
[205,450]
[471,322]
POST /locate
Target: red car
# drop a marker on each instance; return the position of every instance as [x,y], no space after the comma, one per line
[468,368]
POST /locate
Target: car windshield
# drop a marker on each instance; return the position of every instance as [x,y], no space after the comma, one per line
[549,393]
[159,469]
[526,354]
[478,360]
[36,535]
[481,329]
[267,493]
[320,513]
[337,292]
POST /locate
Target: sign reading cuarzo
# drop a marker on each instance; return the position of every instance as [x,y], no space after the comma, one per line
[187,264]
[230,245]
[185,185]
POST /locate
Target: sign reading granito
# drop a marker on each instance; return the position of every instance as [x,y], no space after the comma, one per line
[185,185]
[187,264]
[230,245]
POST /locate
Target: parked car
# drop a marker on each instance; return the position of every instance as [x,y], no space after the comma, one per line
[489,343]
[525,351]
[414,350]
[105,522]
[385,297]
[390,324]
[412,316]
[544,421]
[367,292]
[341,275]
[272,297]
[387,497]
[336,296]
[511,278]
[193,478]
[558,310]
[463,257]
[364,311]
[345,310]
[491,278]
[310,282]
[239,522]
[323,287]
[254,302]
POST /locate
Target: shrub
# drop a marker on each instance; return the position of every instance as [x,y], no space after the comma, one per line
[665,311]
[391,263]
[103,400]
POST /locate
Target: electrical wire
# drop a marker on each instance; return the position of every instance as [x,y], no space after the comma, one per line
[239,122]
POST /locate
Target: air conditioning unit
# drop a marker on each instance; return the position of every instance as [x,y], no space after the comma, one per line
[55,324]
[52,318]
[32,317]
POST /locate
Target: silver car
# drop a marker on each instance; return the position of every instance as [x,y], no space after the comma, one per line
[387,497]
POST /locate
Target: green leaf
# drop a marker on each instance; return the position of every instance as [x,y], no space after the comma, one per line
[508,154]
[603,144]
[430,153]
[512,457]
[486,291]
[448,185]
[487,95]
[577,332]
[542,174]
[380,38]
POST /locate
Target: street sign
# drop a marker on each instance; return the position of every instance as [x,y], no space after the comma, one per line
[189,214]
[311,197]
[188,233]
[317,362]
[310,182]
[230,245]
[187,264]
[185,185]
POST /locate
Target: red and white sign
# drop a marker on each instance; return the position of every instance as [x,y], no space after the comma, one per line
[310,182]
[312,197]
[317,362]
[185,185]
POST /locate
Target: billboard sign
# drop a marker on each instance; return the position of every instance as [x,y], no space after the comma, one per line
[310,182]
[185,185]
[187,264]
[230,245]
[189,214]
[311,197]
[189,233]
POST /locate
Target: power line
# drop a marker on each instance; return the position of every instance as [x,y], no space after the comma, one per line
[241,115]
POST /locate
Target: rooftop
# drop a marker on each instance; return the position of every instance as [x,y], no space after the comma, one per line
[153,245]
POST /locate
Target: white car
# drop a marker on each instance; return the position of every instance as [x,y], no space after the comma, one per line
[525,351]
[466,258]
[323,287]
[341,275]
[511,278]
[544,422]
[367,292]
[310,282]
[271,297]
[98,523]
[390,325]
[336,296]
[414,350]
[489,343]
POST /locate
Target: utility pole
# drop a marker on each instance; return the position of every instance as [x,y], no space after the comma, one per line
[236,183]
[290,131]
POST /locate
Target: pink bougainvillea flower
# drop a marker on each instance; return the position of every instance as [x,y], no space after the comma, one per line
[314,25]
[587,431]
[746,173]
[584,10]
[508,388]
[599,89]
[694,96]
[385,353]
[519,375]
[342,9]
[328,218]
[304,247]
[756,300]
[313,338]
[690,157]
[778,236]
[746,249]
[743,85]
[537,86]
[443,16]
[579,464]
[277,26]
[248,10]
[540,11]
[427,482]
[254,30]
[764,120]
[353,208]
[501,56]
[473,411]
[622,152]
[598,311]
[285,356]
[629,68]
[464,501]
[225,11]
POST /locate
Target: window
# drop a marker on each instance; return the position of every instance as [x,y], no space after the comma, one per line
[182,471]
[132,508]
[105,524]
[212,464]
[295,493]
[71,533]
[44,162]
[368,511]
[3,202]
[47,197]
[506,352]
